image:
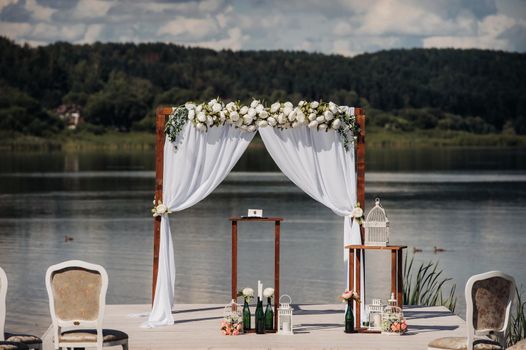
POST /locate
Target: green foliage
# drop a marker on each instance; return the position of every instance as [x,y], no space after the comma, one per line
[118,85]
[517,325]
[426,286]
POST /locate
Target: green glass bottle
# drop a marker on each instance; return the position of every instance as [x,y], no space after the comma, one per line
[349,318]
[246,316]
[269,315]
[260,318]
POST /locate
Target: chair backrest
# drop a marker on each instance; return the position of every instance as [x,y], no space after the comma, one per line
[489,297]
[77,295]
[3,293]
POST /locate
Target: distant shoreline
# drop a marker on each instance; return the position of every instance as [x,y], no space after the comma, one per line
[142,141]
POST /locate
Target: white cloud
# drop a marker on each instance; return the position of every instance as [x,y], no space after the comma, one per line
[5,3]
[40,13]
[91,9]
[15,30]
[92,34]
[51,32]
[191,28]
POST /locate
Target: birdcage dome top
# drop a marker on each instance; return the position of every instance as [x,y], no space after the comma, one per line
[376,216]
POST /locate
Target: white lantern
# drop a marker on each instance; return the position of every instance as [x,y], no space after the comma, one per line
[376,226]
[285,325]
[393,321]
[375,310]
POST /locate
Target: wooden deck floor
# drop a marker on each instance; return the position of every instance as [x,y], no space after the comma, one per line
[317,327]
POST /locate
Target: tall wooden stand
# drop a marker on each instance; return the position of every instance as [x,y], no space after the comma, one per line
[397,285]
[277,232]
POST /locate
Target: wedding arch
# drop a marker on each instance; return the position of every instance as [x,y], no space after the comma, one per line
[319,146]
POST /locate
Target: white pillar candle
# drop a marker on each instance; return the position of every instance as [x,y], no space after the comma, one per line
[286,326]
[260,290]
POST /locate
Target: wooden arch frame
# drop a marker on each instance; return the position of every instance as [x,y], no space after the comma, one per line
[162,115]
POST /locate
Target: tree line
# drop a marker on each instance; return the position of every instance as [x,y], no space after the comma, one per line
[119,85]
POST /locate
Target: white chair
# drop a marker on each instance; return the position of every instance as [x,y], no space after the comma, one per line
[77,298]
[11,340]
[489,297]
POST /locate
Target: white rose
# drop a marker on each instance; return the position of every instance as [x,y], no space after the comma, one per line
[322,126]
[275,107]
[320,119]
[231,106]
[199,108]
[333,108]
[201,127]
[216,107]
[312,116]
[260,108]
[222,116]
[243,110]
[288,104]
[301,103]
[247,119]
[191,114]
[300,117]
[292,116]
[251,112]
[342,109]
[263,114]
[271,121]
[251,128]
[328,116]
[248,292]
[161,209]
[281,118]
[313,124]
[268,292]
[262,123]
[254,103]
[336,124]
[314,104]
[357,212]
[212,102]
[189,105]
[209,121]
[234,116]
[287,110]
[201,117]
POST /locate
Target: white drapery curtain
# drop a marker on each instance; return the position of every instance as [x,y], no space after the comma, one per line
[318,163]
[200,163]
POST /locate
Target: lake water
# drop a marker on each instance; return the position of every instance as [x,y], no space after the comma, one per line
[471,202]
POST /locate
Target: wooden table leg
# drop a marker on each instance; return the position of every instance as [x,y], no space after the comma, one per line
[351,269]
[393,272]
[358,287]
[400,284]
[234,260]
[277,237]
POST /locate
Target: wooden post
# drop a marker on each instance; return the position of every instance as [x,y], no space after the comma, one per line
[277,237]
[360,163]
[234,259]
[161,117]
[400,282]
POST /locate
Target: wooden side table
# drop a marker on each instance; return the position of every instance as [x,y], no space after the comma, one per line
[397,284]
[277,231]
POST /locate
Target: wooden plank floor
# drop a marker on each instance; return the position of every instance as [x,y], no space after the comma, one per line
[316,327]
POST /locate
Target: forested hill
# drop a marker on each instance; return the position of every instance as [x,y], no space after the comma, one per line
[118,85]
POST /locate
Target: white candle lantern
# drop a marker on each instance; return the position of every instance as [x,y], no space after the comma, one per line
[285,325]
[375,310]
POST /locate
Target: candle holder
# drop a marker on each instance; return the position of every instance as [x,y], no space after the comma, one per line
[285,325]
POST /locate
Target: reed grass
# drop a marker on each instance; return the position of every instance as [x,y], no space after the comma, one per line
[517,327]
[425,284]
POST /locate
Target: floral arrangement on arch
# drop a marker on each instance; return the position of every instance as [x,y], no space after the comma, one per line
[319,115]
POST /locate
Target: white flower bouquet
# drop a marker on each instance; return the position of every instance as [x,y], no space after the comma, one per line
[246,293]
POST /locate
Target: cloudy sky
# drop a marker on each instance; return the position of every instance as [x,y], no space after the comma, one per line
[347,27]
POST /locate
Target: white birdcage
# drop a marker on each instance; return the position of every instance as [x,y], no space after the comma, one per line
[393,321]
[285,325]
[376,226]
[375,310]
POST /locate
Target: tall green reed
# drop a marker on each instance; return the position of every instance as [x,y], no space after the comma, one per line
[517,327]
[424,285]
